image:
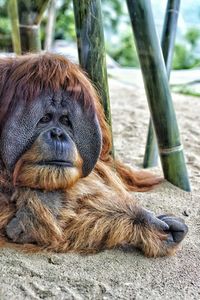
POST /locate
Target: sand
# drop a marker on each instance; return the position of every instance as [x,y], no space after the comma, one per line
[120,274]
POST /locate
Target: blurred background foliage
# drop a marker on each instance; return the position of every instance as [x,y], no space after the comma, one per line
[5,28]
[118,34]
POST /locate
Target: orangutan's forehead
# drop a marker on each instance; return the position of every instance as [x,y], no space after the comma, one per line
[58,99]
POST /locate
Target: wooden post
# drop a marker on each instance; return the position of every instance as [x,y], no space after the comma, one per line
[30,15]
[158,93]
[91,48]
[167,45]
[13,15]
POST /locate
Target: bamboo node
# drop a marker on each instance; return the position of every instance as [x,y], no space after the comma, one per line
[173,10]
[33,27]
[171,149]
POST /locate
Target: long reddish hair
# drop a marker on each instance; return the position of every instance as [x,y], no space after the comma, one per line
[25,77]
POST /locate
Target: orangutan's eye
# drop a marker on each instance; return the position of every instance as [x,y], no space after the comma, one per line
[46,119]
[65,120]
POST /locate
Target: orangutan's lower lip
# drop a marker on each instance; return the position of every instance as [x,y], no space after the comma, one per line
[60,163]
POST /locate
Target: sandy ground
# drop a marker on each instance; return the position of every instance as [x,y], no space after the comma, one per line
[117,274]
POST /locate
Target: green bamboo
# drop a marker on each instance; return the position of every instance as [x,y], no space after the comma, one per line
[151,150]
[50,26]
[167,45]
[91,47]
[13,15]
[30,15]
[158,93]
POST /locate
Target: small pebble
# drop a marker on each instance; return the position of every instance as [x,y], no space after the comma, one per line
[186,213]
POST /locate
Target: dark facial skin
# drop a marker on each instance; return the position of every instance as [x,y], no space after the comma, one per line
[60,123]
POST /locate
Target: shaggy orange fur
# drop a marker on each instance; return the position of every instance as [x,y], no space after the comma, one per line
[97,213]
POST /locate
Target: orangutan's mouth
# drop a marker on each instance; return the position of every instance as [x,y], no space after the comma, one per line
[58,163]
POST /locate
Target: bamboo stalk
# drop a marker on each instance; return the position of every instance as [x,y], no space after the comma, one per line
[167,45]
[151,150]
[30,15]
[13,15]
[91,48]
[158,93]
[50,27]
